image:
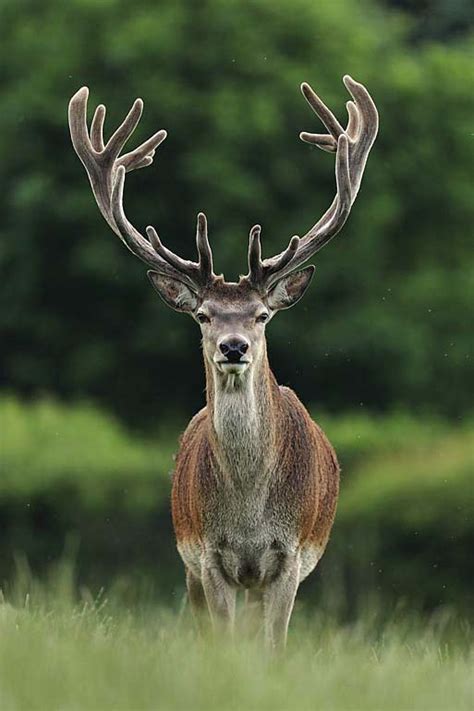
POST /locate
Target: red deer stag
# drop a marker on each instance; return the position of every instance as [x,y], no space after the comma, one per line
[256,481]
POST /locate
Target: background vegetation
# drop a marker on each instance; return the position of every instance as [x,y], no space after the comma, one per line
[98,378]
[75,485]
[387,321]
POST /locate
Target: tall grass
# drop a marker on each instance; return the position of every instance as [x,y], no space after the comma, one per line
[97,655]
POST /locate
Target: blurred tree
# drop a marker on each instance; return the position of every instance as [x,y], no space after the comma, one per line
[437,19]
[387,319]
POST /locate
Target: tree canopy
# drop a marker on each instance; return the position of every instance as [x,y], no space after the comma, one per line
[387,321]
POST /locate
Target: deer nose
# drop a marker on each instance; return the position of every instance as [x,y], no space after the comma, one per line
[233,348]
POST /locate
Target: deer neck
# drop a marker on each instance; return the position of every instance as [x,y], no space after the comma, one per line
[243,420]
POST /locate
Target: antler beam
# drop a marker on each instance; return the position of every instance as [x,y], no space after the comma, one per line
[352,146]
[106,170]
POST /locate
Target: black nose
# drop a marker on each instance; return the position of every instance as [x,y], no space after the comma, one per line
[233,348]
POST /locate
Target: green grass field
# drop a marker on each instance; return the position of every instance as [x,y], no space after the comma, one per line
[97,656]
[81,659]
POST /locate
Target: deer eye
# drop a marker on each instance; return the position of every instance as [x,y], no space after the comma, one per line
[202,318]
[262,318]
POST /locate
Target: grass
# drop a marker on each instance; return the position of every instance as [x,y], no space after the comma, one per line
[97,655]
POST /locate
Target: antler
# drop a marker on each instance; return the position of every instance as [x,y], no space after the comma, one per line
[352,146]
[106,170]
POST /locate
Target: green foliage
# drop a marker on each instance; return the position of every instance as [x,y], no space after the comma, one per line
[73,479]
[359,437]
[46,444]
[408,514]
[437,19]
[435,472]
[387,320]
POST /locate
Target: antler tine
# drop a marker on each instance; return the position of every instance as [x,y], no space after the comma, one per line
[261,271]
[77,113]
[181,265]
[321,140]
[321,110]
[352,146]
[255,255]
[354,120]
[106,170]
[144,154]
[204,249]
[274,267]
[368,120]
[198,272]
[97,129]
[121,135]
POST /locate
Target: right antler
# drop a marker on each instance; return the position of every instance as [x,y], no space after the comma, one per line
[106,170]
[352,146]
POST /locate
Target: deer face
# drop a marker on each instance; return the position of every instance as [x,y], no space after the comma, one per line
[233,316]
[232,322]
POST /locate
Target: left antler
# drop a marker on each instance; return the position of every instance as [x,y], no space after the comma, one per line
[106,169]
[352,146]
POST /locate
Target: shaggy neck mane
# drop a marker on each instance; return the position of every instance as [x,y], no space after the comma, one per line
[242,420]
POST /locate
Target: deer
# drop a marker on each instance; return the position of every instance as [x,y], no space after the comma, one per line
[256,481]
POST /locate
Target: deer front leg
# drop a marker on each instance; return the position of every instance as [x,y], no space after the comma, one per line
[253,613]
[278,601]
[220,598]
[197,600]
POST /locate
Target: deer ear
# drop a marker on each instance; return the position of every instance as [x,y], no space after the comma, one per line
[290,289]
[174,292]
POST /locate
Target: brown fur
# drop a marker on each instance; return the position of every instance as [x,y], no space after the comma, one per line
[306,480]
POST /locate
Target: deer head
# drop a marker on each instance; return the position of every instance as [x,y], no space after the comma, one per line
[232,315]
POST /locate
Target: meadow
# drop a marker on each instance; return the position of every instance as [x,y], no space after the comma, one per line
[97,654]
